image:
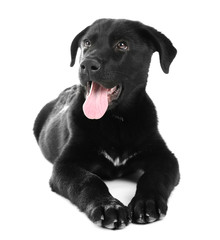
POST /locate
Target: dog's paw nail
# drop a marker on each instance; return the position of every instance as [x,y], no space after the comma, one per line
[141,219]
[151,219]
[161,215]
[122,225]
[110,226]
[98,223]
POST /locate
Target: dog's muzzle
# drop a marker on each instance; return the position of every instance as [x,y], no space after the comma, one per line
[99,94]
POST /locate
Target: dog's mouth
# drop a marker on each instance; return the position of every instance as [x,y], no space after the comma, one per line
[98,98]
[112,93]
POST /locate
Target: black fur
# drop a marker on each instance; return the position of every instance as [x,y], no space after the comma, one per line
[124,141]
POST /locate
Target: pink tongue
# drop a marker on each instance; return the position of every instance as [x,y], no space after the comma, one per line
[96,103]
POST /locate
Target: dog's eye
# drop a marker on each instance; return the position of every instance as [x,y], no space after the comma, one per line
[86,43]
[122,45]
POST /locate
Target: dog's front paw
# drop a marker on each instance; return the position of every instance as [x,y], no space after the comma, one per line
[111,214]
[147,210]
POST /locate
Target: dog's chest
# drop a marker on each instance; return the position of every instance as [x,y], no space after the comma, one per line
[116,159]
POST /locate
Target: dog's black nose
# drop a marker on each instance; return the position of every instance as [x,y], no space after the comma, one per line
[90,65]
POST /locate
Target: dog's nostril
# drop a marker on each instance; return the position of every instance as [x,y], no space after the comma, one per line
[94,68]
[83,66]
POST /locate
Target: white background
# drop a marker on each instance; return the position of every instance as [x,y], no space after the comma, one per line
[34,67]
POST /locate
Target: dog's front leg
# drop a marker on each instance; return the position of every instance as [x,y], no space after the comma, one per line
[90,194]
[161,175]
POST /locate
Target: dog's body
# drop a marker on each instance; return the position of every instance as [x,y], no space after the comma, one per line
[106,127]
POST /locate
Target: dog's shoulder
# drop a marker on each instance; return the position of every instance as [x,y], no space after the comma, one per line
[57,107]
[68,98]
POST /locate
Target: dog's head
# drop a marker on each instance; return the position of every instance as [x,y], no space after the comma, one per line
[114,61]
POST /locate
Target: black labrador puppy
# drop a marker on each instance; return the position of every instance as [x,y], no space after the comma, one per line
[106,127]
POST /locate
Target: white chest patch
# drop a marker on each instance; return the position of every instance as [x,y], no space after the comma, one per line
[117,161]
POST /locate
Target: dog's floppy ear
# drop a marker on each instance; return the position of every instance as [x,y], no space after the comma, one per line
[75,45]
[161,44]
